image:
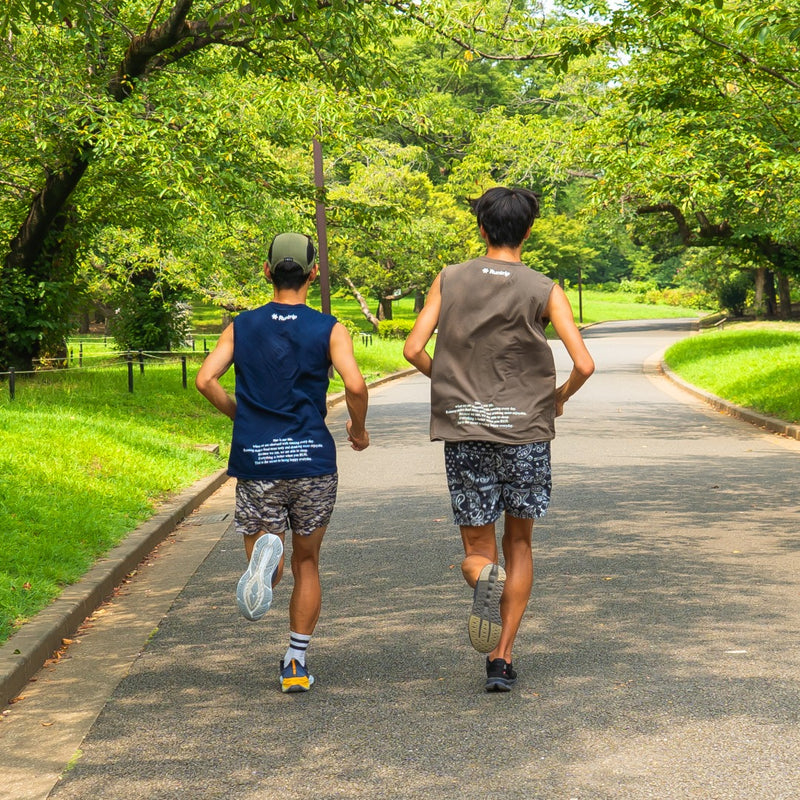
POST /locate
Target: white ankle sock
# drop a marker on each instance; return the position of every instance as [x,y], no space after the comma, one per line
[298,644]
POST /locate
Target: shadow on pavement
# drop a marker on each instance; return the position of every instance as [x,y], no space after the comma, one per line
[631,596]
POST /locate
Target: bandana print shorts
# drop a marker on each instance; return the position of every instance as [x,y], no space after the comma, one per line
[299,504]
[488,478]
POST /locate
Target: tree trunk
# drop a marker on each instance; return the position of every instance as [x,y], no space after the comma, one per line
[363,304]
[758,300]
[765,302]
[385,308]
[419,301]
[32,324]
[27,246]
[784,292]
[769,295]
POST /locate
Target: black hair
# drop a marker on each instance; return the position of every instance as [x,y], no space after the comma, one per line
[288,275]
[506,214]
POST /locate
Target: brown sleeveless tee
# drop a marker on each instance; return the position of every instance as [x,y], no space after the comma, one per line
[493,376]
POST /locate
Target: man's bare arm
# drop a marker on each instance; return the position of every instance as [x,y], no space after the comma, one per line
[414,350]
[356,394]
[559,311]
[214,367]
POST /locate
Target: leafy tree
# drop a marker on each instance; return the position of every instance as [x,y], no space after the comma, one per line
[557,246]
[727,273]
[114,100]
[139,288]
[97,86]
[699,126]
[392,230]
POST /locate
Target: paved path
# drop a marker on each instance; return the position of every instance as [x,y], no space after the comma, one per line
[660,657]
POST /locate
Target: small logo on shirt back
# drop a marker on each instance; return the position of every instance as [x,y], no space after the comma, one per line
[490,271]
[283,317]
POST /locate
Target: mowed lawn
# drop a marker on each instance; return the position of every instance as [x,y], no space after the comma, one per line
[752,365]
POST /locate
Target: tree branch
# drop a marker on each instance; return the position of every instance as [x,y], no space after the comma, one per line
[677,215]
[374,321]
[708,234]
[746,58]
[407,9]
[709,230]
[404,293]
[145,47]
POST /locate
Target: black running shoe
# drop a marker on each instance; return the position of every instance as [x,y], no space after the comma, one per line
[500,675]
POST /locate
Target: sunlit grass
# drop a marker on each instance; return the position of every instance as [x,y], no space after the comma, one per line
[82,462]
[756,368]
[606,306]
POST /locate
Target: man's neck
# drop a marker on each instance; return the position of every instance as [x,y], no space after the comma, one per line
[291,297]
[504,253]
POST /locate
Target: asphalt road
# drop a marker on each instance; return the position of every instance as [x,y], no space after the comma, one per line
[660,656]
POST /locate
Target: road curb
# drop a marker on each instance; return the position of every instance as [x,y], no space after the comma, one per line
[24,654]
[403,373]
[772,424]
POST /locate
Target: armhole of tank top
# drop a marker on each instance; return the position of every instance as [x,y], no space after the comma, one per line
[544,320]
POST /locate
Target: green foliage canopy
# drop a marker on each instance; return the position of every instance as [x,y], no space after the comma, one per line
[139,95]
[699,123]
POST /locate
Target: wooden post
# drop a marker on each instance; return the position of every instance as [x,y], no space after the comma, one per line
[322,229]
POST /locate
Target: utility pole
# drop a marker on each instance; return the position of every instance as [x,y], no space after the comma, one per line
[322,229]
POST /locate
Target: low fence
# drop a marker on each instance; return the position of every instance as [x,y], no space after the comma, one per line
[77,359]
[191,344]
[129,360]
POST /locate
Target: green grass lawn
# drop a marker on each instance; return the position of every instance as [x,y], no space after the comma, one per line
[90,461]
[597,307]
[752,365]
[606,306]
[83,461]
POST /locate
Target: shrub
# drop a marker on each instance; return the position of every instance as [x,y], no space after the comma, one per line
[395,328]
[638,288]
[732,293]
[689,298]
[150,316]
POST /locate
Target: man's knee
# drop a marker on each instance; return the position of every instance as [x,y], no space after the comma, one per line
[518,529]
[306,549]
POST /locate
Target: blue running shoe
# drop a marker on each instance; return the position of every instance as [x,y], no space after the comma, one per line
[295,677]
[485,623]
[254,592]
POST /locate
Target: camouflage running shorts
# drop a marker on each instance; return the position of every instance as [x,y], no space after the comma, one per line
[488,478]
[299,504]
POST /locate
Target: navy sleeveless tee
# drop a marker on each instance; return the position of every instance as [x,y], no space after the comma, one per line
[281,356]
